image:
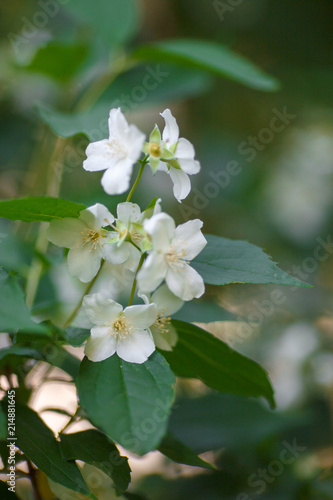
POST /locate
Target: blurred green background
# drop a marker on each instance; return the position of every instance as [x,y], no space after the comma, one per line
[264,179]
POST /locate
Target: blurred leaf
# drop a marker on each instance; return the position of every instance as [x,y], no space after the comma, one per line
[39,208]
[10,355]
[58,60]
[14,253]
[57,356]
[211,57]
[94,448]
[177,451]
[222,421]
[141,87]
[198,354]
[113,21]
[225,261]
[202,311]
[5,494]
[126,400]
[38,443]
[75,336]
[3,424]
[14,314]
[153,84]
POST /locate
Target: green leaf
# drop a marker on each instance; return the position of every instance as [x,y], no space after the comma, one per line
[39,208]
[177,451]
[225,261]
[58,60]
[14,314]
[202,311]
[209,56]
[57,356]
[8,355]
[113,21]
[169,83]
[38,443]
[198,354]
[75,336]
[218,421]
[130,402]
[94,448]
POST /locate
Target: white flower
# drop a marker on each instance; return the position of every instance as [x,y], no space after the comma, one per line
[125,332]
[173,248]
[129,229]
[87,240]
[164,334]
[128,214]
[116,155]
[173,155]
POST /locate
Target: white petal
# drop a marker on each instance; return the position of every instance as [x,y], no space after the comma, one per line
[142,316]
[137,347]
[181,183]
[118,126]
[189,238]
[65,232]
[127,212]
[100,345]
[171,130]
[185,149]
[114,253]
[134,140]
[165,340]
[161,227]
[166,300]
[133,259]
[186,283]
[100,156]
[84,263]
[144,297]
[101,310]
[191,167]
[152,273]
[116,180]
[102,215]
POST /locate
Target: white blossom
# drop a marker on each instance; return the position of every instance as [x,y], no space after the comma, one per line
[86,239]
[172,249]
[117,330]
[173,155]
[117,154]
[163,332]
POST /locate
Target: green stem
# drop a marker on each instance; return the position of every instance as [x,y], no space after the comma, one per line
[87,290]
[143,256]
[137,180]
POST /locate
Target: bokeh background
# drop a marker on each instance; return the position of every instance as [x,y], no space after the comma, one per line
[279,197]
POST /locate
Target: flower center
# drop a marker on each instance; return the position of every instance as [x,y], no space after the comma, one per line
[175,258]
[121,328]
[89,236]
[163,321]
[116,149]
[154,149]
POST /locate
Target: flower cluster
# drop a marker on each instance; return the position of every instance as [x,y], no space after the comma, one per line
[146,243]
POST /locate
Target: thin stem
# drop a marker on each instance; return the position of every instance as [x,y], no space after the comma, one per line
[143,164]
[87,290]
[143,256]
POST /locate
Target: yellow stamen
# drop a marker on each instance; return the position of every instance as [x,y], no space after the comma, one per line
[121,328]
[89,237]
